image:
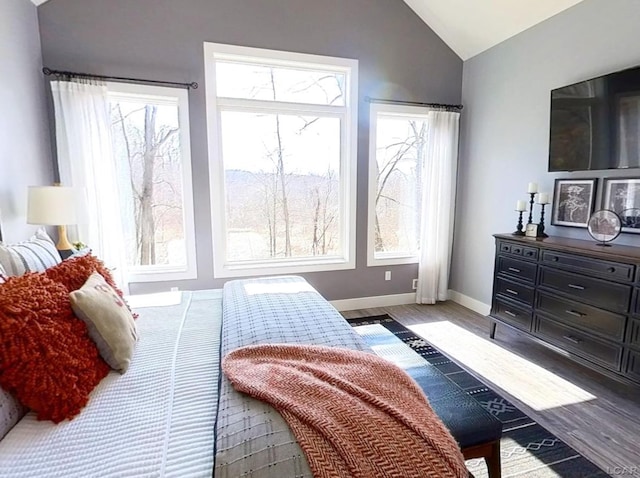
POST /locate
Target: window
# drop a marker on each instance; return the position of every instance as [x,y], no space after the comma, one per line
[150,132]
[396,158]
[282,145]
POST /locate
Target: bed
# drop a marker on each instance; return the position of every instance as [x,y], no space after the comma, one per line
[172,413]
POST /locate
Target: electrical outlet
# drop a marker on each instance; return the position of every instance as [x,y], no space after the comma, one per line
[387,275]
[414,284]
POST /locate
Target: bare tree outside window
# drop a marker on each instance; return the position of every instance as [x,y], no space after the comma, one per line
[399,160]
[148,154]
[282,170]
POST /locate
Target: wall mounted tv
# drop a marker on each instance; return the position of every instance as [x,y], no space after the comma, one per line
[595,124]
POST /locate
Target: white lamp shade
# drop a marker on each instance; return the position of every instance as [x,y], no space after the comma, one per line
[52,205]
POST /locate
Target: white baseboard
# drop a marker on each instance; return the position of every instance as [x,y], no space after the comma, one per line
[409,298]
[469,302]
[377,301]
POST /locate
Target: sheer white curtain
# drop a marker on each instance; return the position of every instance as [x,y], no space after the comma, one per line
[438,201]
[86,160]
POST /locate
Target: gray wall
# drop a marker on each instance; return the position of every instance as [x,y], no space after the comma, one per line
[505,125]
[25,152]
[400,58]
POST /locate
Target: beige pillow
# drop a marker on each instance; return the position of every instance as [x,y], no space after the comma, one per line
[109,321]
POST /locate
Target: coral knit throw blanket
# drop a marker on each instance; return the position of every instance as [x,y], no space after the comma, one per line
[354,414]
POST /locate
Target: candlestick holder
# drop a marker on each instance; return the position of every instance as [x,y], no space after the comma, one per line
[519,231]
[541,223]
[530,221]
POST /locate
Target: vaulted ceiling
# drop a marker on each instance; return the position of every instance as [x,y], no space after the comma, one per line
[470,27]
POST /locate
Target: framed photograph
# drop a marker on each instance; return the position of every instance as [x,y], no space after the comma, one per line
[531,230]
[573,202]
[622,196]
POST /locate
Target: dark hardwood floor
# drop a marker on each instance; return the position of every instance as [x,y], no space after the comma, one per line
[596,415]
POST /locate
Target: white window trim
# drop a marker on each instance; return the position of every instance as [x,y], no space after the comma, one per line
[161,273]
[348,160]
[385,258]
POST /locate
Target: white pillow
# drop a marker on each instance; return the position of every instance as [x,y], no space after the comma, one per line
[34,255]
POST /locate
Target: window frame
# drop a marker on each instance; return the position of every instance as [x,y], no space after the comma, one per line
[401,111]
[159,273]
[348,158]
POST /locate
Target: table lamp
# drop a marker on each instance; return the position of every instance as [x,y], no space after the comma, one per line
[53,206]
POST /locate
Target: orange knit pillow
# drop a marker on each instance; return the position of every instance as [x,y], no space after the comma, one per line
[74,272]
[47,360]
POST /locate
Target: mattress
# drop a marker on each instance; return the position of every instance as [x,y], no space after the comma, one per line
[157,420]
[252,439]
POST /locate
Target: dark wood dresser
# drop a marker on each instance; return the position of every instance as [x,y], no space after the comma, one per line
[574,296]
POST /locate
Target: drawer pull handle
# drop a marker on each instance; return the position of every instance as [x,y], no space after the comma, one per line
[508,312]
[554,258]
[575,313]
[516,251]
[571,339]
[576,286]
[529,253]
[511,291]
[513,269]
[611,269]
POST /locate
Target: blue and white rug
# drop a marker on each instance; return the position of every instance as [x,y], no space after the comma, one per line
[527,449]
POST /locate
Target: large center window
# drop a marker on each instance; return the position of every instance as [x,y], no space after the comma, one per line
[282,160]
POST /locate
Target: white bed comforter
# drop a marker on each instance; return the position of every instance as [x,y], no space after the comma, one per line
[157,420]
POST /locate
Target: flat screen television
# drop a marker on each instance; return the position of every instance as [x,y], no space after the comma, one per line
[595,124]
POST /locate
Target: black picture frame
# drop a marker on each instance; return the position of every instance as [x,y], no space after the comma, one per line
[622,196]
[574,201]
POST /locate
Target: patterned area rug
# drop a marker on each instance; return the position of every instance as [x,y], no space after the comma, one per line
[527,449]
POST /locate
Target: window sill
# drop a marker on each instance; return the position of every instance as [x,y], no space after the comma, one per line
[160,275]
[261,269]
[391,261]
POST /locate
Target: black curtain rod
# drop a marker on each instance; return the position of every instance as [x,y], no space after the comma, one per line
[413,103]
[72,74]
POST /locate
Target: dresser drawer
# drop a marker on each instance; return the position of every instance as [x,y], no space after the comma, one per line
[526,252]
[591,266]
[632,369]
[592,319]
[635,308]
[517,316]
[608,295]
[606,354]
[517,268]
[515,291]
[530,253]
[633,336]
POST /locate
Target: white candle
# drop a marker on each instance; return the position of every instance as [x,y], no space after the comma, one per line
[533,188]
[543,198]
[521,206]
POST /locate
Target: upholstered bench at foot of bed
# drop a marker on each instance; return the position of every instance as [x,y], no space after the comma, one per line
[477,431]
